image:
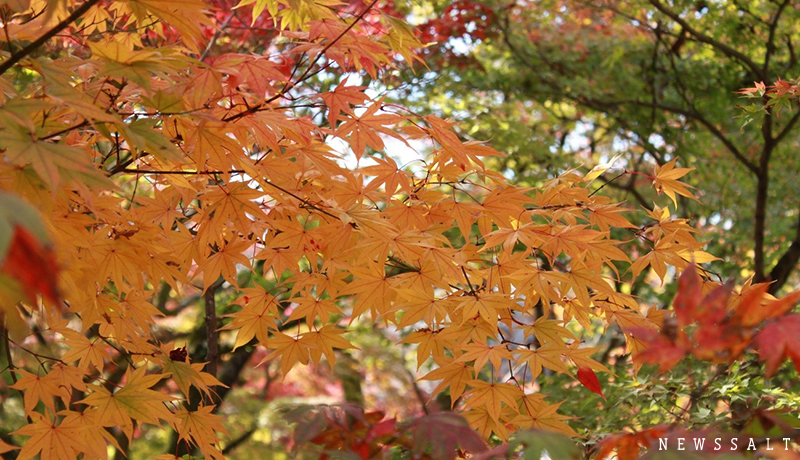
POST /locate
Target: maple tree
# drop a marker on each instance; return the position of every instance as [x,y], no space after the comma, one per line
[175,177]
[557,83]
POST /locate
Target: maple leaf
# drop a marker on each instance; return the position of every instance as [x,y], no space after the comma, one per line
[364,130]
[542,416]
[312,308]
[92,352]
[187,375]
[38,388]
[548,355]
[688,296]
[340,99]
[388,174]
[372,291]
[443,434]
[581,357]
[223,262]
[588,378]
[200,427]
[323,342]
[628,445]
[256,318]
[486,305]
[453,375]
[755,306]
[51,161]
[185,15]
[291,350]
[492,396]
[134,401]
[548,331]
[666,181]
[482,353]
[429,343]
[25,250]
[481,420]
[779,340]
[49,440]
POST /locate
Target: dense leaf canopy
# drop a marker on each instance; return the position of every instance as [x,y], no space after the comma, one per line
[197,196]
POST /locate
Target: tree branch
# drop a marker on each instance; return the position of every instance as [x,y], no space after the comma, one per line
[307,73]
[16,57]
[238,441]
[212,352]
[773,26]
[695,116]
[216,35]
[762,195]
[703,38]
[788,127]
[786,264]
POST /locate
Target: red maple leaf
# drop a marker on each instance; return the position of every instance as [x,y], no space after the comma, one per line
[780,340]
[32,264]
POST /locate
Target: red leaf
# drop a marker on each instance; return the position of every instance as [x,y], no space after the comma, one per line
[688,297]
[33,265]
[659,349]
[589,379]
[443,433]
[362,450]
[382,429]
[780,340]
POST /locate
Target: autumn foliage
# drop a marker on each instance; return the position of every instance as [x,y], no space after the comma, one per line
[162,163]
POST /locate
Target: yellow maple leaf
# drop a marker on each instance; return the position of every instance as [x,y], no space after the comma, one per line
[133,401]
[256,318]
[187,375]
[481,353]
[492,396]
[323,341]
[200,428]
[454,375]
[291,350]
[548,356]
[50,440]
[666,181]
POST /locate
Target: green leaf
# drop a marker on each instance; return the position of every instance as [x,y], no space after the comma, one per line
[534,443]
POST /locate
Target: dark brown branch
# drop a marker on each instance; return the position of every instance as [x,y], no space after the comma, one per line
[636,194]
[786,264]
[212,352]
[34,45]
[762,195]
[66,130]
[238,441]
[789,126]
[181,172]
[216,36]
[608,182]
[773,26]
[703,38]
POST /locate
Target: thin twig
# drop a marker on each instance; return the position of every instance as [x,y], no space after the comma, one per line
[15,58]
[216,35]
[305,75]
[625,171]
